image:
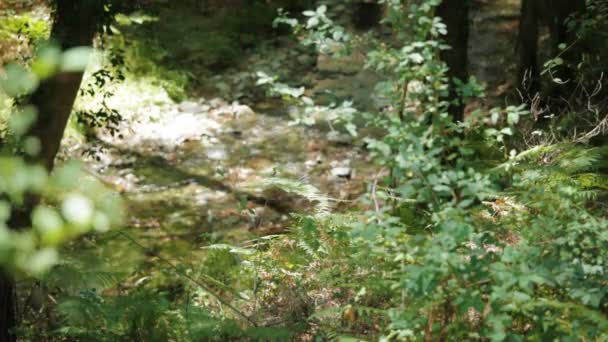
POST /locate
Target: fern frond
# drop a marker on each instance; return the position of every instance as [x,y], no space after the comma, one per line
[69,276]
[307,191]
[568,158]
[592,181]
[579,159]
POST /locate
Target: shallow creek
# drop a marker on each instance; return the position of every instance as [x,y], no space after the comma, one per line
[201,171]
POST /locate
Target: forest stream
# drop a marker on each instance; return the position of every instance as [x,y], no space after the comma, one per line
[303,170]
[195,173]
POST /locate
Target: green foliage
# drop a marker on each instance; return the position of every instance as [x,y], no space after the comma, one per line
[468,238]
[61,206]
[179,311]
[176,47]
[465,235]
[34,30]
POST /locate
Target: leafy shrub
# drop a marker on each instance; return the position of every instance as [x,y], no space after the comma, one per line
[468,238]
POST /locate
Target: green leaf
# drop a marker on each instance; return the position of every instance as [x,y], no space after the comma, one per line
[49,225]
[47,61]
[21,121]
[18,81]
[512,118]
[351,129]
[77,209]
[312,22]
[42,260]
[76,59]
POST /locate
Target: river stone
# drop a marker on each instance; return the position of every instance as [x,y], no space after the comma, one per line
[242,110]
[217,102]
[342,172]
[189,107]
[339,138]
[216,153]
[348,65]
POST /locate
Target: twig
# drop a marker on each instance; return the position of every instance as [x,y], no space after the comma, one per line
[600,128]
[375,198]
[402,101]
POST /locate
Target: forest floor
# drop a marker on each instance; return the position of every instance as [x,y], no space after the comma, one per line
[209,169]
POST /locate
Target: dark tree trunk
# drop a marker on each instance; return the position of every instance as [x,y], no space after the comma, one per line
[455,14]
[528,74]
[553,14]
[367,14]
[75,24]
[7,305]
[559,32]
[560,11]
[54,100]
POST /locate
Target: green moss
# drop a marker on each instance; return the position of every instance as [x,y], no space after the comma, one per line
[34,29]
[177,46]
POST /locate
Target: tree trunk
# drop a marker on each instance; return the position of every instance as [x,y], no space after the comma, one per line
[528,74]
[552,13]
[75,24]
[560,33]
[367,14]
[455,14]
[7,307]
[54,100]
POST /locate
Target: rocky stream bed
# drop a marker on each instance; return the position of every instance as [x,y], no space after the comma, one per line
[205,170]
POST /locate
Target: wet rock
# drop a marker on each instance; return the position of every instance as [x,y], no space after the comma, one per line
[217,103]
[171,130]
[340,138]
[348,65]
[242,110]
[342,172]
[341,169]
[314,161]
[216,153]
[189,107]
[186,127]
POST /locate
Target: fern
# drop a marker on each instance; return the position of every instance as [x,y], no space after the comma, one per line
[307,191]
[70,277]
[563,165]
[566,157]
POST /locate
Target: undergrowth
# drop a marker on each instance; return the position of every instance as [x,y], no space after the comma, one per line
[468,234]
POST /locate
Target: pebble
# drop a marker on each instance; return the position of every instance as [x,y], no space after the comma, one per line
[216,153]
[339,138]
[342,172]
